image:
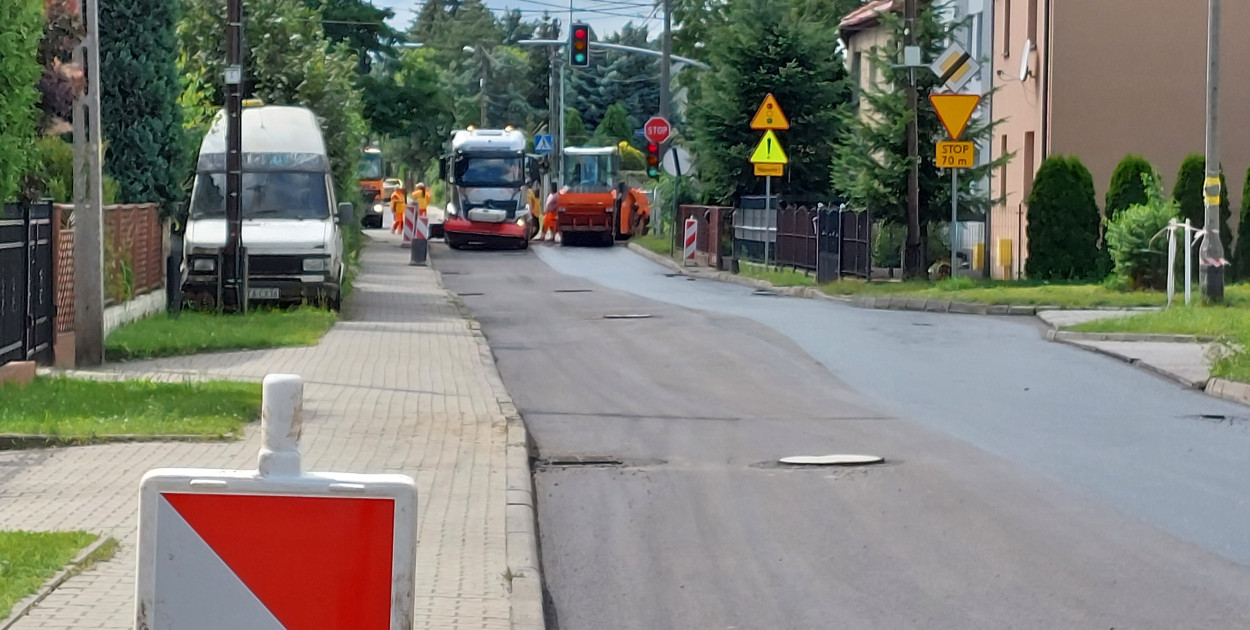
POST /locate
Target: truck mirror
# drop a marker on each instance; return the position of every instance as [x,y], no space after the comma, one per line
[346,212]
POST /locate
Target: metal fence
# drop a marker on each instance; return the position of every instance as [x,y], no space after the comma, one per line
[27,303]
[817,237]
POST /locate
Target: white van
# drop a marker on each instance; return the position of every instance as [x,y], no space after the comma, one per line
[291,229]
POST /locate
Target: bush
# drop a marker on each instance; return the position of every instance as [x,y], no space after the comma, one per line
[21,28]
[1127,185]
[1188,195]
[1241,256]
[1139,262]
[139,100]
[54,169]
[1063,223]
[887,244]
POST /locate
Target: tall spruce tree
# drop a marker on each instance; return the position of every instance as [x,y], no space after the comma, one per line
[767,47]
[871,169]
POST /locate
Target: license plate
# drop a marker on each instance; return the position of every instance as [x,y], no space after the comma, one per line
[263,293]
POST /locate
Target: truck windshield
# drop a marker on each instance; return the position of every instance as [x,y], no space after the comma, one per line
[589,172]
[370,166]
[271,195]
[488,172]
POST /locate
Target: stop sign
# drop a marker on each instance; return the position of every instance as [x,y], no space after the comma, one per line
[657,130]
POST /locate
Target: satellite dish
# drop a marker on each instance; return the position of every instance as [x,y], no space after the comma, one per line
[1025,71]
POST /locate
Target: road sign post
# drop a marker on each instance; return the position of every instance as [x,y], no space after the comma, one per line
[276,548]
[954,110]
[769,159]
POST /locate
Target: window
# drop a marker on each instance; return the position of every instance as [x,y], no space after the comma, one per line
[1006,28]
[857,71]
[490,172]
[1033,21]
[1002,171]
[1029,169]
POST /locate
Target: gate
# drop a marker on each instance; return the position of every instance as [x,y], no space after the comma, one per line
[27,307]
[844,245]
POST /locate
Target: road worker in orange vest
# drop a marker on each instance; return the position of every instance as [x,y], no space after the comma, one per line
[397,208]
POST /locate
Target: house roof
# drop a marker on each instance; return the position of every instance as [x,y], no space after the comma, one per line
[867,16]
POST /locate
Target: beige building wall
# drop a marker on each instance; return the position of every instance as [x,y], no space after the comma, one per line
[1021,105]
[1109,78]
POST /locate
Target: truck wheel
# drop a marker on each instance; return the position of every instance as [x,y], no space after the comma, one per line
[523,243]
[453,242]
[608,239]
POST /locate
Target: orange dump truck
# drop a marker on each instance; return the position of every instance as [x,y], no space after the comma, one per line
[596,205]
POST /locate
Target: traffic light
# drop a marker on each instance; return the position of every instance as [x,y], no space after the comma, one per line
[653,159]
[579,49]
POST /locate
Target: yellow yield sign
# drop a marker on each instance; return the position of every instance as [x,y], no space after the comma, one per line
[769,115]
[955,110]
[769,150]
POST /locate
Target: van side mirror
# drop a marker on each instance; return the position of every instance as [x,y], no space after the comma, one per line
[442,170]
[347,212]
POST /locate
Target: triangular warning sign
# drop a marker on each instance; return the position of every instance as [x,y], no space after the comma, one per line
[955,110]
[314,562]
[769,150]
[769,115]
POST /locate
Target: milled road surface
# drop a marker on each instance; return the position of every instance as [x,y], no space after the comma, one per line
[1028,485]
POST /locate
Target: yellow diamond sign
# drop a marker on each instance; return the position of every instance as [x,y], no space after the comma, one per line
[769,150]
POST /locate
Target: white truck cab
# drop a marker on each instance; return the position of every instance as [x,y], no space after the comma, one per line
[291,222]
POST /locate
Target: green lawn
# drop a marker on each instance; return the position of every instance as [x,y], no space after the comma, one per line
[998,292]
[83,410]
[777,276]
[195,332]
[661,245]
[28,559]
[1229,323]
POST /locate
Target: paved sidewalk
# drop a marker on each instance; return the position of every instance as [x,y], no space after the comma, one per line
[401,384]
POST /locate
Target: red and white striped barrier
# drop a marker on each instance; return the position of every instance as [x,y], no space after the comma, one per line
[409,226]
[421,238]
[692,236]
[422,226]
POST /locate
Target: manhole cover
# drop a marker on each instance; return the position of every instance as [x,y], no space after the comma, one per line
[832,460]
[574,291]
[628,316]
[1219,418]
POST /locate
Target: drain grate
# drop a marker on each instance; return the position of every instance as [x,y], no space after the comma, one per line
[601,461]
[628,316]
[471,294]
[574,291]
[764,293]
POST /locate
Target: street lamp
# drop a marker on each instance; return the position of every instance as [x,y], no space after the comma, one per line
[481,83]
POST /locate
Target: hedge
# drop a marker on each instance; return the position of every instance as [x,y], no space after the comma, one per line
[21,29]
[1063,223]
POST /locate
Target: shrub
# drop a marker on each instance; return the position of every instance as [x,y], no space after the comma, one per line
[1127,187]
[21,28]
[1241,256]
[54,168]
[1063,223]
[139,100]
[1188,195]
[1140,262]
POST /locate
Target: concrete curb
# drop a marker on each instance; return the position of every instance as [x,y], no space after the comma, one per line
[74,567]
[524,575]
[1076,343]
[1067,335]
[1229,390]
[20,441]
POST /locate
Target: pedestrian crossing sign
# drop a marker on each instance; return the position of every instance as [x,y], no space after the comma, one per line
[544,143]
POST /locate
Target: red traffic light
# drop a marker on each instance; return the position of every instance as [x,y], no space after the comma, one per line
[653,147]
[581,32]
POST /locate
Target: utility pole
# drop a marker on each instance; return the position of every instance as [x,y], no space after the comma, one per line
[1211,255]
[234,257]
[913,266]
[666,63]
[89,204]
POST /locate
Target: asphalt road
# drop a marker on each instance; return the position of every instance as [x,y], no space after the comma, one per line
[1028,485]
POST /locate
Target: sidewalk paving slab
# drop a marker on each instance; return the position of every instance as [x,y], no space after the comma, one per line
[403,384]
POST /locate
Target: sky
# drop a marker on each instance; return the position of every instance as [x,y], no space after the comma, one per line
[604,16]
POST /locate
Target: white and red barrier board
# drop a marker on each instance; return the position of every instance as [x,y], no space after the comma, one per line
[692,237]
[234,549]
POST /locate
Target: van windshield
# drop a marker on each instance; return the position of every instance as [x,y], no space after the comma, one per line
[271,195]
